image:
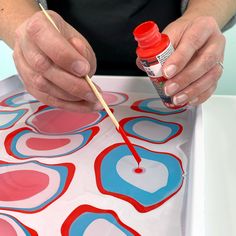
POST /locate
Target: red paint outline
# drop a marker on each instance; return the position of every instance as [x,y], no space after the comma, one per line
[76,213]
[71,170]
[126,120]
[135,107]
[9,138]
[139,207]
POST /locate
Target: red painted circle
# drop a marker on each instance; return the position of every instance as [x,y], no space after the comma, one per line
[139,170]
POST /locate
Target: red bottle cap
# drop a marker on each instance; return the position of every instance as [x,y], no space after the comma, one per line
[147,34]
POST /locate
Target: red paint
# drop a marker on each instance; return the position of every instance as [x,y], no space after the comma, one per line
[130,145]
[21,184]
[43,144]
[153,50]
[139,170]
[60,121]
[6,229]
[65,229]
[139,207]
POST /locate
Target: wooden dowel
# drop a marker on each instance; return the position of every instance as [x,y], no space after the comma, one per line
[49,18]
[103,102]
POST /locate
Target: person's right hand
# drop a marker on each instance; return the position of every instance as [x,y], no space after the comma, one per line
[53,64]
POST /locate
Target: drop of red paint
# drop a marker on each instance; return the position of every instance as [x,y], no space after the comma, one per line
[138,170]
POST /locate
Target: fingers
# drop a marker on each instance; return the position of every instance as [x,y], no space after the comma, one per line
[34,57]
[192,39]
[73,85]
[53,44]
[40,63]
[77,106]
[36,81]
[203,62]
[193,67]
[203,96]
[70,84]
[196,89]
[46,58]
[47,92]
[86,51]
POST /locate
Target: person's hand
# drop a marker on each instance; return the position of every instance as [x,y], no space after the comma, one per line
[194,68]
[52,64]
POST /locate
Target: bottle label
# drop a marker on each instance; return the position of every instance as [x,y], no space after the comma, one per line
[153,68]
[162,57]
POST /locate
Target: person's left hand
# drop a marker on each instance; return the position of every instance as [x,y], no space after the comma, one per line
[194,68]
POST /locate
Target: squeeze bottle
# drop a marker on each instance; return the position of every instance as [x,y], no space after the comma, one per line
[153,50]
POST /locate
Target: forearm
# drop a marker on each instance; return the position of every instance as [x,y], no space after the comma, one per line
[12,14]
[221,10]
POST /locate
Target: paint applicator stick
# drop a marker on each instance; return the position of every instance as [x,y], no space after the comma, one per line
[102,101]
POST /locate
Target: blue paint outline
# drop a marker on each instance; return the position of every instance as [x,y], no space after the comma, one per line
[128,127]
[81,223]
[112,182]
[86,137]
[9,101]
[19,115]
[143,106]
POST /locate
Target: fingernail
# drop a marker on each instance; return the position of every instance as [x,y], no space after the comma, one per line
[98,106]
[90,97]
[170,71]
[171,89]
[194,101]
[180,99]
[80,68]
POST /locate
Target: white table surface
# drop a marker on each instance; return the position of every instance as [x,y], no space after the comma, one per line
[219,119]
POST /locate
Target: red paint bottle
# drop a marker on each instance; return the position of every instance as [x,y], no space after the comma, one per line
[153,50]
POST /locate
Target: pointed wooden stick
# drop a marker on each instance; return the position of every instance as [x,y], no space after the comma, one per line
[89,81]
[102,101]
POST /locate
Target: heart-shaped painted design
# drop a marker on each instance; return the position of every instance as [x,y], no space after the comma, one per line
[10,226]
[18,100]
[10,118]
[154,106]
[24,143]
[32,186]
[162,176]
[114,99]
[48,120]
[87,220]
[150,129]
